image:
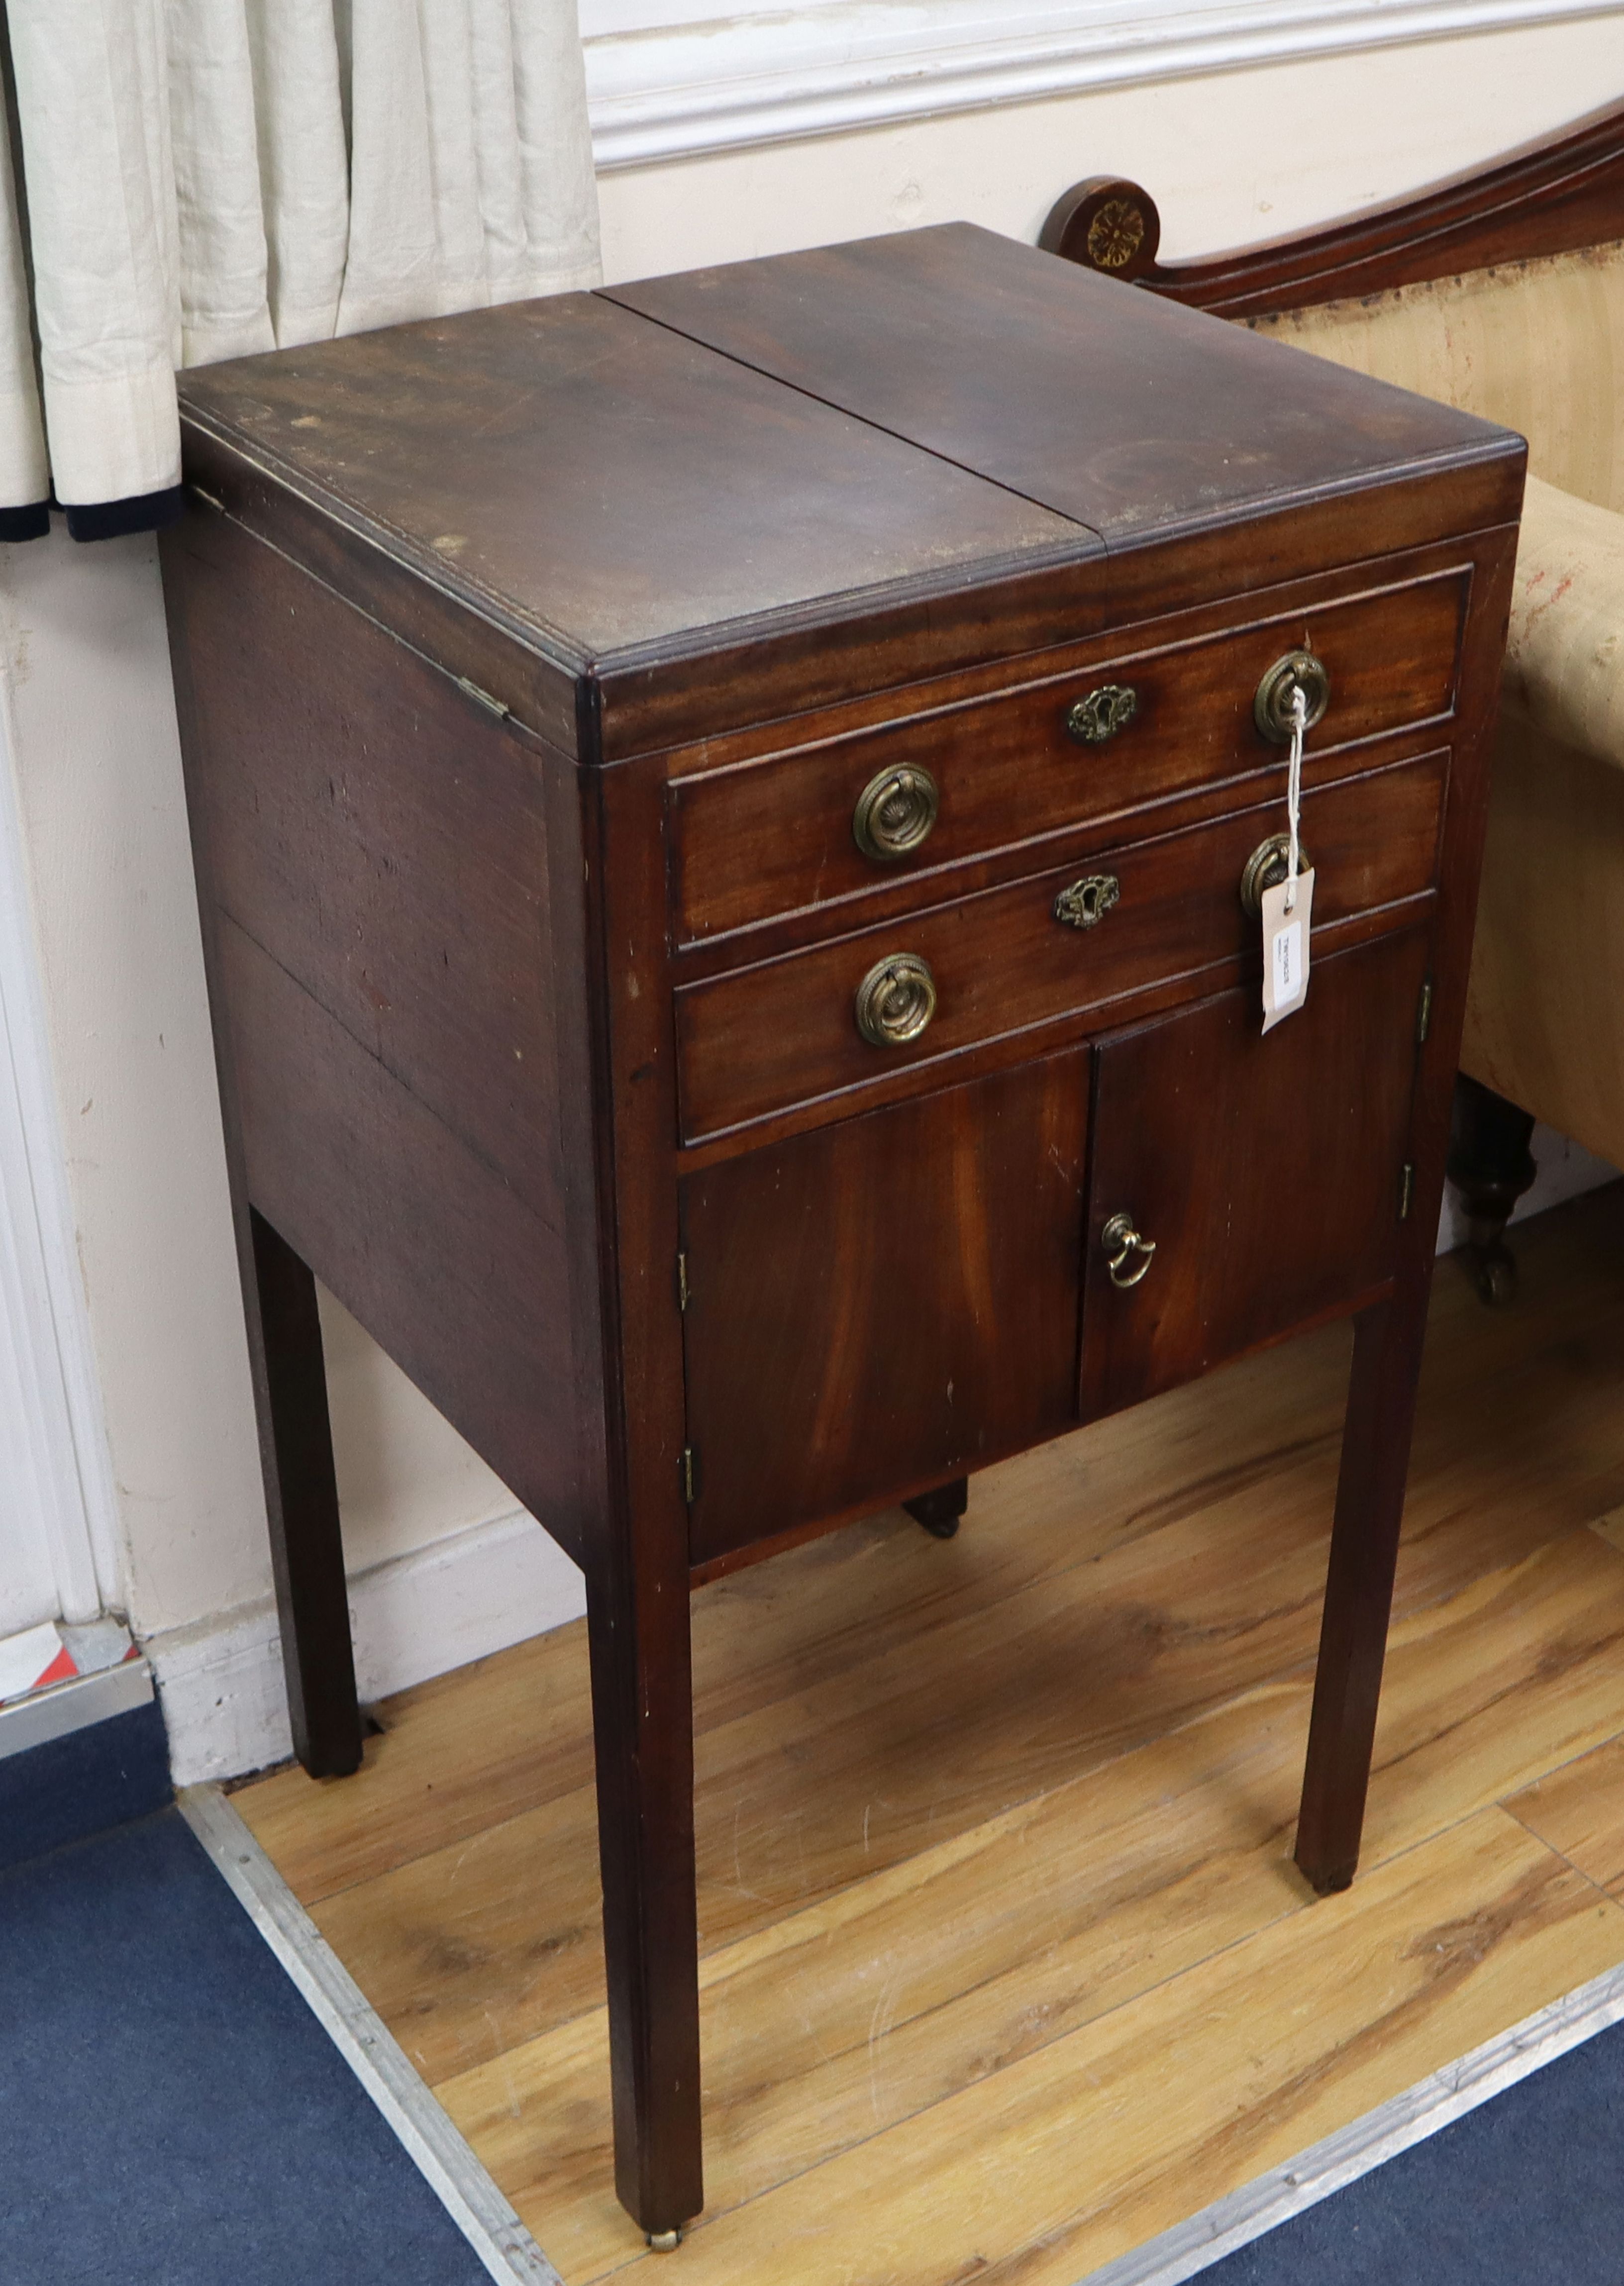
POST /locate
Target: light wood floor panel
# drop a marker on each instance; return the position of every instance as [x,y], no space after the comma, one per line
[1074,2154]
[1006,1966]
[909,1985]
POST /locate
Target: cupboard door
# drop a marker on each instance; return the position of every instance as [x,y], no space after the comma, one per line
[877,1306]
[1268,1173]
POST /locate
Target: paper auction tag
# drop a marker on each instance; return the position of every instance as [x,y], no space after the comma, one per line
[1285,948]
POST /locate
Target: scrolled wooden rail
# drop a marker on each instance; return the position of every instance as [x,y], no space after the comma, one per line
[1553,197]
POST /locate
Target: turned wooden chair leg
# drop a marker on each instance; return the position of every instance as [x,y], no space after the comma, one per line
[307,1557]
[1375,1448]
[642,1732]
[939,1511]
[1491,1166]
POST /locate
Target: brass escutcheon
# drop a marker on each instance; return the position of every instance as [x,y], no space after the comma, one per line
[1086,903]
[1272,706]
[895,1000]
[1105,712]
[894,813]
[1265,869]
[1123,1243]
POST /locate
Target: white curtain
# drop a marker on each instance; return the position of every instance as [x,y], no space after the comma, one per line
[206,178]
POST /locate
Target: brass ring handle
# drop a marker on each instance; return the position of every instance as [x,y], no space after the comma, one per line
[1091,720]
[1265,869]
[895,812]
[895,1000]
[1122,1244]
[1298,670]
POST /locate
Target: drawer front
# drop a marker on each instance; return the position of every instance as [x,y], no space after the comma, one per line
[760,1040]
[1267,1173]
[770,837]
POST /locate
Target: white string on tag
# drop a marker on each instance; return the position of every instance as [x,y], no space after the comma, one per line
[1294,789]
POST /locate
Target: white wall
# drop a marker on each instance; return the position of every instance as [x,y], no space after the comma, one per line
[442,1569]
[1230,159]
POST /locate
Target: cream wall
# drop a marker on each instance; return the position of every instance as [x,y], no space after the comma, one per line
[442,1569]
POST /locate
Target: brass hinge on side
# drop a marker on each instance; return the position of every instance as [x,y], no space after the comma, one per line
[690,1474]
[497,706]
[1423,1022]
[681,1282]
[1407,1185]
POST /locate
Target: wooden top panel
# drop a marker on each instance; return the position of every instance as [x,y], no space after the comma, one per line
[600,483]
[1140,420]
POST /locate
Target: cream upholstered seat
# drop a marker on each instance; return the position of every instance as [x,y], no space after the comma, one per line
[1540,346]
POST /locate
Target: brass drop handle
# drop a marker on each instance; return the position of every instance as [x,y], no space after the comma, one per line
[1297,670]
[1266,868]
[895,812]
[895,1000]
[1127,1255]
[1102,713]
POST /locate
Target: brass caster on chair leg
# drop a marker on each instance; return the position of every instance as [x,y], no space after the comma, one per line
[664,2241]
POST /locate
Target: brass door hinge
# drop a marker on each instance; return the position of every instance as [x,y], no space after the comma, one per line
[681,1282]
[1423,1022]
[1407,1185]
[497,706]
[690,1474]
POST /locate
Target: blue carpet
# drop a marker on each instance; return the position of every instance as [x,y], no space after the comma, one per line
[171,2114]
[97,1776]
[1524,2191]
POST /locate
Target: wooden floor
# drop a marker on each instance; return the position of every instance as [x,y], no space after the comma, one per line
[1006,1964]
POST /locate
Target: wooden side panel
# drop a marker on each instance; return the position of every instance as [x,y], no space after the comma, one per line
[465,1286]
[382,835]
[1267,1173]
[374,861]
[883,1305]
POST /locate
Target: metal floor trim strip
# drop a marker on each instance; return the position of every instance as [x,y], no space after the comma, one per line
[1235,2221]
[445,2160]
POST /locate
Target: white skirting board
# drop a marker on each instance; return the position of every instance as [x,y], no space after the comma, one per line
[416,1616]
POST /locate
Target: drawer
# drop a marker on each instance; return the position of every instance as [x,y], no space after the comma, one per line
[758,1040]
[1287,1209]
[770,837]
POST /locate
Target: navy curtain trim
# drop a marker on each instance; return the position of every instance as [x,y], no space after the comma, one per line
[141,512]
[30,523]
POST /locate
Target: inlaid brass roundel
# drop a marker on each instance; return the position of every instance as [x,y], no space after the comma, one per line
[1265,869]
[1116,235]
[895,812]
[895,1000]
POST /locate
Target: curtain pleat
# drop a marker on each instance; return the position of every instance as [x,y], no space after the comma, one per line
[207,178]
[94,113]
[25,471]
[224,308]
[304,164]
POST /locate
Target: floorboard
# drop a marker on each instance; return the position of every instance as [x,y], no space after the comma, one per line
[1005,1965]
